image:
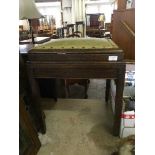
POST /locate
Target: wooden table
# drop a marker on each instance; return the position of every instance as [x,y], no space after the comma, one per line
[93,32]
[80,58]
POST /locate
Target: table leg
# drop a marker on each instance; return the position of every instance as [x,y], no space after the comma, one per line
[107,92]
[36,103]
[118,102]
[55,90]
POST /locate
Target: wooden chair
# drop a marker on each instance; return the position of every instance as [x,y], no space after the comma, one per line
[70,29]
[82,82]
[78,33]
[77,24]
[73,36]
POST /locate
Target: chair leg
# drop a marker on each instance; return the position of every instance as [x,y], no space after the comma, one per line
[67,89]
[107,93]
[86,88]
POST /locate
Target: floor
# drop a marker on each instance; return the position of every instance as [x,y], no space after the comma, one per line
[79,126]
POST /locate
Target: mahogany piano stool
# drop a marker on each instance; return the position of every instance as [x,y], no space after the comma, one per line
[80,58]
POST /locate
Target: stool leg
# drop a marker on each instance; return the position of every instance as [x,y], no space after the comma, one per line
[107,93]
[67,90]
[55,90]
[86,88]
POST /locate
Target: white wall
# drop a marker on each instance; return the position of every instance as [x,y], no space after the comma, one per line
[53,9]
[73,10]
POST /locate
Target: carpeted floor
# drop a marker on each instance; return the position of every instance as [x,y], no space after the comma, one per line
[79,127]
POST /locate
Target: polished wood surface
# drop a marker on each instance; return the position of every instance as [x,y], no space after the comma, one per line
[80,63]
[123,31]
[29,143]
[33,107]
[121,4]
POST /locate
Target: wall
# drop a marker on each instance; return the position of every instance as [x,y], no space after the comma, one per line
[107,9]
[67,11]
[53,9]
[73,10]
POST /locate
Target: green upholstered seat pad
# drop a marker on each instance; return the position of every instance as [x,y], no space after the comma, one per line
[78,43]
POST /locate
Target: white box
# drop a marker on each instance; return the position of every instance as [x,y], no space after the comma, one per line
[127,124]
[126,132]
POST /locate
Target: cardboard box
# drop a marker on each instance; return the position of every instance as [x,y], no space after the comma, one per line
[127,124]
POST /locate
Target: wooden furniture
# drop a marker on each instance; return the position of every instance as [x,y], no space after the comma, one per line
[74,35]
[62,32]
[29,143]
[108,27]
[93,32]
[70,29]
[123,29]
[80,58]
[92,25]
[23,35]
[82,82]
[77,24]
[47,87]
[29,116]
[44,34]
[99,32]
[92,20]
[25,90]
